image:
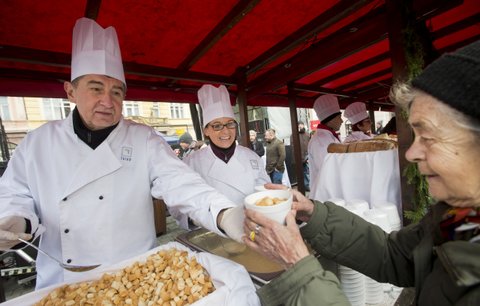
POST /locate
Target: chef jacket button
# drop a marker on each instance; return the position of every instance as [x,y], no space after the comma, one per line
[100,197]
[69,260]
[64,199]
[66,231]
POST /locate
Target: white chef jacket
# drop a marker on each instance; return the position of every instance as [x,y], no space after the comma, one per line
[96,205]
[235,179]
[317,150]
[356,136]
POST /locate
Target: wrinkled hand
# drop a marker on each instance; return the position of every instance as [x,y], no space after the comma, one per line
[232,222]
[12,228]
[302,205]
[281,243]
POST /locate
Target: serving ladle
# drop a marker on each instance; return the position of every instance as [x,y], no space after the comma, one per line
[72,268]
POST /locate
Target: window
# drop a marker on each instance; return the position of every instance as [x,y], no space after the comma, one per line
[176,111]
[55,109]
[130,109]
[4,109]
[155,113]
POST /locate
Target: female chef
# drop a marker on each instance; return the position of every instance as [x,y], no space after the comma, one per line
[232,169]
[357,114]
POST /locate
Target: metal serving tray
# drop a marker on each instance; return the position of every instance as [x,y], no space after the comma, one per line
[260,268]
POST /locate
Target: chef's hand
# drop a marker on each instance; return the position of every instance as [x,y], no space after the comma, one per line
[232,222]
[12,228]
[275,186]
[302,205]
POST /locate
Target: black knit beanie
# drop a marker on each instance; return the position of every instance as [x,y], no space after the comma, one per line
[185,138]
[455,79]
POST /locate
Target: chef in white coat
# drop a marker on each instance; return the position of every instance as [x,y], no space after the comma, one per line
[230,168]
[88,180]
[328,111]
[357,114]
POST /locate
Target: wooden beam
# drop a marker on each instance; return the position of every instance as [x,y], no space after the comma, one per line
[242,107]
[458,26]
[366,78]
[336,13]
[196,121]
[58,59]
[236,14]
[398,21]
[367,63]
[320,90]
[92,8]
[369,30]
[297,153]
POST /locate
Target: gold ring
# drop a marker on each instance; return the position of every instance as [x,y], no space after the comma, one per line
[252,236]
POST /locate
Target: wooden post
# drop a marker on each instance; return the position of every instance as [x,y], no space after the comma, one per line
[242,107]
[297,151]
[196,121]
[396,25]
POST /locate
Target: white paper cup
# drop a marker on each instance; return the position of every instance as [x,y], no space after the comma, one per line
[276,212]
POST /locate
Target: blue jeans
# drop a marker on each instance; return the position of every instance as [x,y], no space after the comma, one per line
[276,177]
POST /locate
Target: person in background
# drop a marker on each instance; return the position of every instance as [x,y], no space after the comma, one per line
[231,169]
[86,183]
[440,255]
[328,111]
[275,158]
[186,147]
[304,138]
[378,127]
[357,114]
[256,145]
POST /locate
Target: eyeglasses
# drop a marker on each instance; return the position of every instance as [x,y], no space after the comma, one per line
[218,126]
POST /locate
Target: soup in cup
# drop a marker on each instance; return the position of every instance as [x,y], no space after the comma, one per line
[274,204]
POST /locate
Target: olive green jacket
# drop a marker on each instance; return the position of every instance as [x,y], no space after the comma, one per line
[444,273]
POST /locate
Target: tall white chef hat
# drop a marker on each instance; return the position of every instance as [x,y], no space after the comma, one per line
[356,112]
[215,102]
[325,106]
[95,51]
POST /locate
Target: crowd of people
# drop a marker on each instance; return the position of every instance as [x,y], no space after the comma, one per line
[73,182]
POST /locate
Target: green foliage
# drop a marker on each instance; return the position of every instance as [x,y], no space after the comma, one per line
[422,199]
[415,55]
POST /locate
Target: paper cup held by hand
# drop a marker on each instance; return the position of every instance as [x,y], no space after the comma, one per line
[277,211]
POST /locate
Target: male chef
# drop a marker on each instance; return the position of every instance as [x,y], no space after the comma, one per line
[88,180]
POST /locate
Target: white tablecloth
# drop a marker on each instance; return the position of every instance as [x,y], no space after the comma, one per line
[370,176]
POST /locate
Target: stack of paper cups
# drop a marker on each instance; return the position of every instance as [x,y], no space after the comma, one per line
[392,214]
[353,285]
[359,206]
[378,217]
[338,201]
[374,289]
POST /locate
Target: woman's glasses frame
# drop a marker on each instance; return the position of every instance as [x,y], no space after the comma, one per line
[219,126]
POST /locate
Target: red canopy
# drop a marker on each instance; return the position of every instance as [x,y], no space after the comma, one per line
[170,48]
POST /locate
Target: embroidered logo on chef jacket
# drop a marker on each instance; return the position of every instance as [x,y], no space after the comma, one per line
[127,153]
[254,164]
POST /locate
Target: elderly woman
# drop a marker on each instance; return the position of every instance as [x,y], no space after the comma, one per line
[439,256]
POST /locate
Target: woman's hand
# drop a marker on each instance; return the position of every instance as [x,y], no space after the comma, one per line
[302,205]
[281,243]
